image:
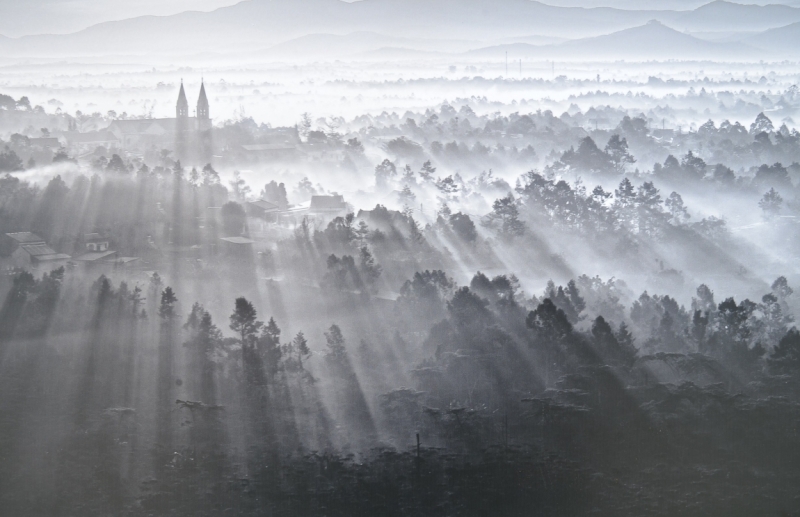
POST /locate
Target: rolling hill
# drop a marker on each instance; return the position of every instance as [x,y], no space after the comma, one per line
[652,41]
[783,41]
[722,15]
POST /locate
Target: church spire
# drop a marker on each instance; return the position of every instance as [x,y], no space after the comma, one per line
[202,103]
[182,109]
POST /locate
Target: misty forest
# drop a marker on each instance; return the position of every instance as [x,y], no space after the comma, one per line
[399,258]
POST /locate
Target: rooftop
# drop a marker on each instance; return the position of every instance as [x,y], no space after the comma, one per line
[149,126]
[90,137]
[43,252]
[95,256]
[238,240]
[54,256]
[45,142]
[332,202]
[264,205]
[124,260]
[25,238]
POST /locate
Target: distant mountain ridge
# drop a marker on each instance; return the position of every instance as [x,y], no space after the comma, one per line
[725,15]
[652,41]
[666,5]
[265,23]
[783,41]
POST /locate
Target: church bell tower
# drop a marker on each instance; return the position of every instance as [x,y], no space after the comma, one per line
[182,109]
[204,142]
[202,106]
[182,126]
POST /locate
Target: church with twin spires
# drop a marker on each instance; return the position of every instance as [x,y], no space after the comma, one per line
[189,138]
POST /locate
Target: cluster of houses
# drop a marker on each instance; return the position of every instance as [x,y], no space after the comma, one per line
[29,251]
[320,208]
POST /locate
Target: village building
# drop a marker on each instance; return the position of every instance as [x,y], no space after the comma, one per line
[45,143]
[96,242]
[95,258]
[328,207]
[96,250]
[189,137]
[29,251]
[320,210]
[83,143]
[123,263]
[263,209]
[280,144]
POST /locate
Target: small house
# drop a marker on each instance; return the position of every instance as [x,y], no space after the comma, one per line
[263,210]
[96,242]
[96,251]
[328,206]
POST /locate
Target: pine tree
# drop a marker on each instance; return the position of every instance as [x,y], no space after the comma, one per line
[208,334]
[335,341]
[785,358]
[269,345]
[210,176]
[166,311]
[626,342]
[406,196]
[243,321]
[505,210]
[370,271]
[296,350]
[301,347]
[136,300]
[416,237]
[361,233]
[771,204]
[427,171]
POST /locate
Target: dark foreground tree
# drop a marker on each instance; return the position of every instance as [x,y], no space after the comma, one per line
[785,358]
